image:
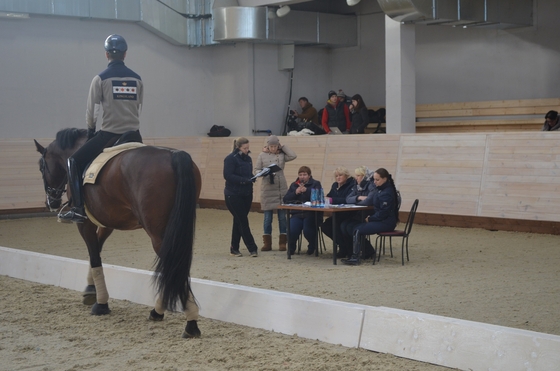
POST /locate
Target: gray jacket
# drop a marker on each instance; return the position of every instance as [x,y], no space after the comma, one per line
[119,91]
[272,193]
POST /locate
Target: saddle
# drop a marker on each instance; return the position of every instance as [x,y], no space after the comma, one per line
[129,140]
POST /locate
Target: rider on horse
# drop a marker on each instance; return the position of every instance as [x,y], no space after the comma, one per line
[119,91]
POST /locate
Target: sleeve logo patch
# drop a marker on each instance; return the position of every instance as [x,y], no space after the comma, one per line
[124,90]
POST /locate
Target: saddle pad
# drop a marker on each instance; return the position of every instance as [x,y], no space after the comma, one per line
[107,154]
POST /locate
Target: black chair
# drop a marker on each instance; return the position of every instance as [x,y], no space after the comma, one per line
[320,241]
[397,233]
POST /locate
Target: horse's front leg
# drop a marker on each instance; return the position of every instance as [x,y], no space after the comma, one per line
[88,230]
[89,294]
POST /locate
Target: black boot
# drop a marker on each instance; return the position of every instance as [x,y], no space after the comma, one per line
[355,259]
[77,213]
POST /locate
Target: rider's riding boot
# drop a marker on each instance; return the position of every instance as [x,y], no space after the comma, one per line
[77,213]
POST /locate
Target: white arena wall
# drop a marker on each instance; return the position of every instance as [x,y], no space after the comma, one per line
[423,337]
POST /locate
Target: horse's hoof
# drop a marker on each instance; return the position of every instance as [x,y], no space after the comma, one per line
[191,330]
[100,309]
[155,316]
[89,295]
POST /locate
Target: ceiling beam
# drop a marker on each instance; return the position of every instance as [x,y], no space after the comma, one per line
[269,2]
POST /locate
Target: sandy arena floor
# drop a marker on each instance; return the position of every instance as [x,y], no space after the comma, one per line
[503,278]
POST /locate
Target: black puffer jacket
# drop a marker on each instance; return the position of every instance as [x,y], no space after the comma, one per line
[238,170]
[339,195]
[292,198]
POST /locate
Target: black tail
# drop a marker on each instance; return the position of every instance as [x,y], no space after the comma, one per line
[172,270]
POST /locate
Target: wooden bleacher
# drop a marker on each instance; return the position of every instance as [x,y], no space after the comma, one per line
[506,181]
[485,116]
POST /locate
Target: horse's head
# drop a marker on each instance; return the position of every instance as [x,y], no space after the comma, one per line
[54,175]
[53,163]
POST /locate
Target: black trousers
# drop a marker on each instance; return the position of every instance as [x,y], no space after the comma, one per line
[92,148]
[239,207]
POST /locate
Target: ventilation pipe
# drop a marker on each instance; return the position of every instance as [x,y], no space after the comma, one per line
[181,22]
[262,25]
[465,13]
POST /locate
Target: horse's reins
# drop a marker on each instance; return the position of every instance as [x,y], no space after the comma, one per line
[54,194]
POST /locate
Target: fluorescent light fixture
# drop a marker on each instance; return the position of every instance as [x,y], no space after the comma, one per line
[352,2]
[14,15]
[283,10]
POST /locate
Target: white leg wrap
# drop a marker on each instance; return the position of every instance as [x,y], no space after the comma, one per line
[90,278]
[191,310]
[159,305]
[100,287]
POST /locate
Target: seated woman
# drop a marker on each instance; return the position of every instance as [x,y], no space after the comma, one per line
[384,218]
[361,189]
[363,186]
[340,189]
[300,192]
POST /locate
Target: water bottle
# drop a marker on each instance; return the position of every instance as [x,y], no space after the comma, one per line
[313,197]
[321,201]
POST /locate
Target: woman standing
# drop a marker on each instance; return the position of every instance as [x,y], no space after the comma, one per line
[238,171]
[273,188]
[360,116]
[385,217]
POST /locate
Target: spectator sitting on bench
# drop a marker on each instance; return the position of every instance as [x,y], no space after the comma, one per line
[308,112]
[551,121]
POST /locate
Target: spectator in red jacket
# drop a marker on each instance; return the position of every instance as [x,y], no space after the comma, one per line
[336,114]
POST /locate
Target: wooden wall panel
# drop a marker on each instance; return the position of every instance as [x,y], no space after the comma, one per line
[373,151]
[443,171]
[20,179]
[522,177]
[510,176]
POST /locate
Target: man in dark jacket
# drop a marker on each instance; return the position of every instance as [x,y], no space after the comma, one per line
[308,112]
[336,114]
[551,123]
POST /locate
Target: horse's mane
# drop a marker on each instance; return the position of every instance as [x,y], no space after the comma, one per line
[66,138]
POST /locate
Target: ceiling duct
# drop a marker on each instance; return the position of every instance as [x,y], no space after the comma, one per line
[181,22]
[464,13]
[261,25]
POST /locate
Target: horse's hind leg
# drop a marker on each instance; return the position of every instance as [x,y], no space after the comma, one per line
[88,230]
[89,294]
[191,312]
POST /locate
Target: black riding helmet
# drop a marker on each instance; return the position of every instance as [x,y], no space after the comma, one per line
[115,44]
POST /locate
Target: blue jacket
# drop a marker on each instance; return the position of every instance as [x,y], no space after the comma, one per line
[362,189]
[292,198]
[384,205]
[238,170]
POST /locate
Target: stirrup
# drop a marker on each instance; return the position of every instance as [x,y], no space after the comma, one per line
[74,215]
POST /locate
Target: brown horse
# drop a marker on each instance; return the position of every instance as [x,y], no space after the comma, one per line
[147,187]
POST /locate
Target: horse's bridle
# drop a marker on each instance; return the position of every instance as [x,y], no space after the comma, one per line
[53,194]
